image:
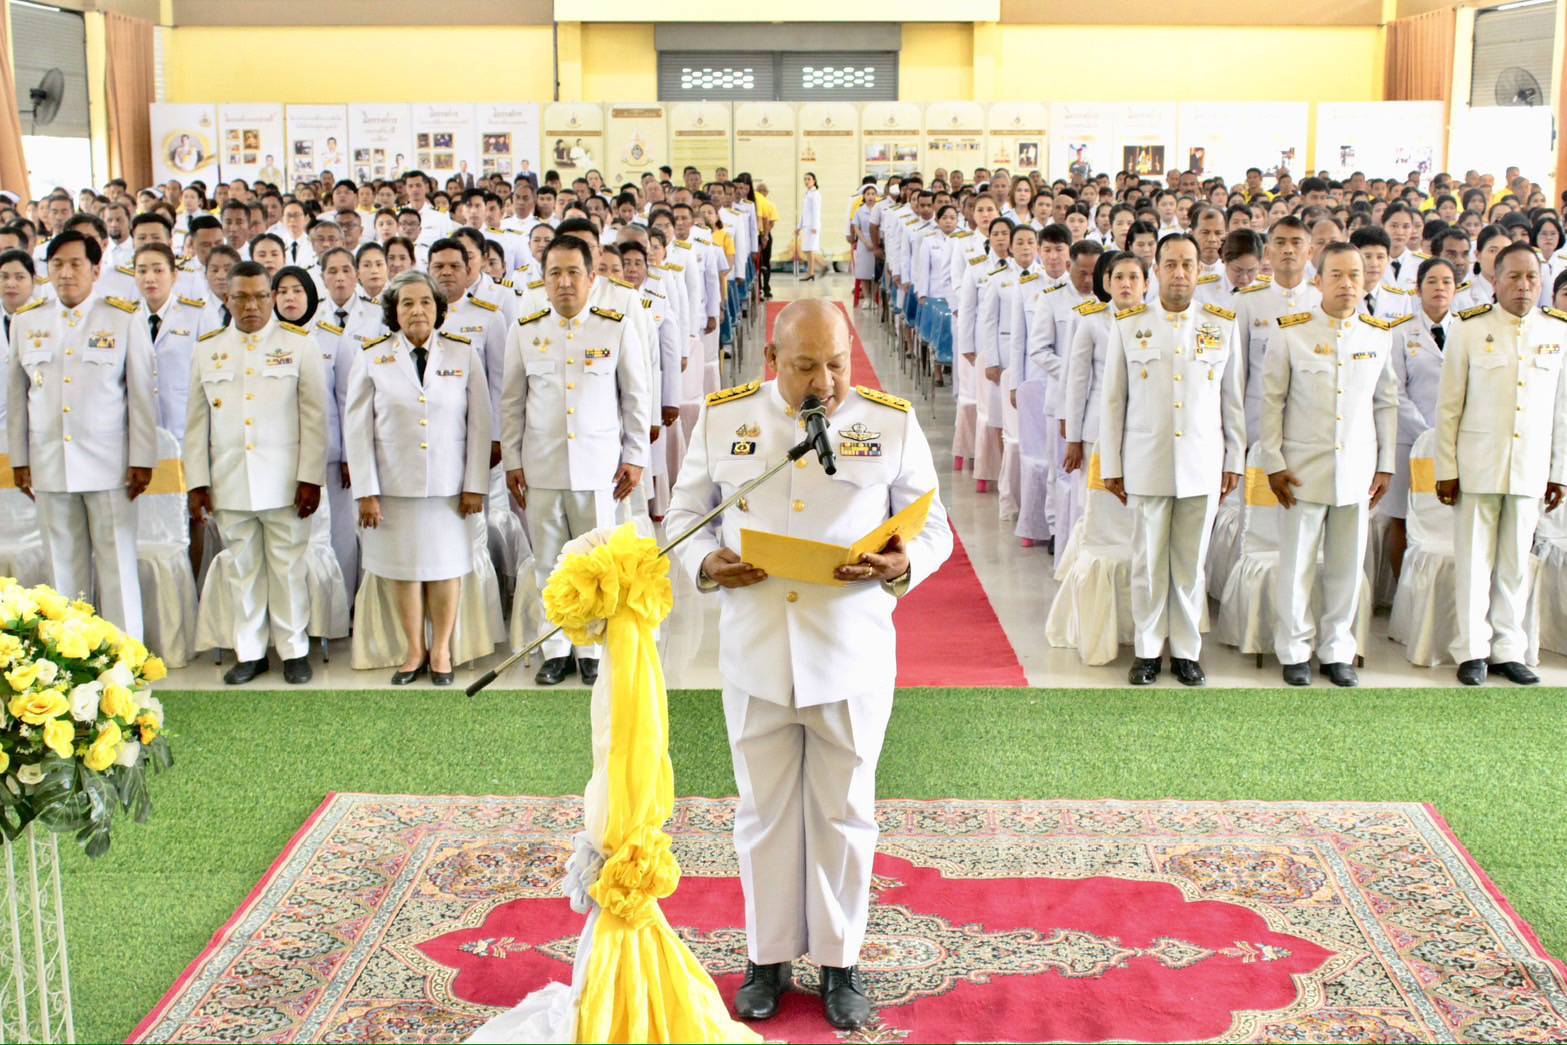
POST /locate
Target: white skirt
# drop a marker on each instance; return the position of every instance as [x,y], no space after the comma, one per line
[810,241]
[419,539]
[864,261]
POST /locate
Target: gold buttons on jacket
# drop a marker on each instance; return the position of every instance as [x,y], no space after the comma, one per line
[798,506]
[571,435]
[800,463]
[571,410]
[743,505]
[570,361]
[68,438]
[249,396]
[421,399]
[793,596]
[424,446]
[571,386]
[424,422]
[67,409]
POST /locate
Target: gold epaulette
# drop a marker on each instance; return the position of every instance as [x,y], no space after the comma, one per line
[1478,310]
[1089,308]
[1052,290]
[534,318]
[193,302]
[1396,290]
[1400,321]
[507,283]
[1380,324]
[607,313]
[1264,279]
[647,302]
[293,329]
[322,324]
[35,303]
[962,235]
[536,284]
[1259,285]
[669,266]
[729,395]
[209,335]
[486,305]
[1422,255]
[1465,285]
[376,341]
[876,395]
[1294,319]
[620,283]
[1216,310]
[123,305]
[997,269]
[1134,310]
[685,245]
[457,338]
[1555,313]
[977,258]
[125,270]
[1212,277]
[1028,278]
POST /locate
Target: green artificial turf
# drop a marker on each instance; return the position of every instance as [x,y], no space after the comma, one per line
[250,767]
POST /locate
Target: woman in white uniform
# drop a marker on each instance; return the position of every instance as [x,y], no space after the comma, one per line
[809,228]
[1418,345]
[867,241]
[418,435]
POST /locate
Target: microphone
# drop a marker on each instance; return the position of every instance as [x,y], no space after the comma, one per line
[815,417]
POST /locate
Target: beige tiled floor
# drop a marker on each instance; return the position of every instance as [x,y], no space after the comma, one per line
[1017,580]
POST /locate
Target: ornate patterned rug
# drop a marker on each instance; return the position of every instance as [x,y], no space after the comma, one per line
[414,918]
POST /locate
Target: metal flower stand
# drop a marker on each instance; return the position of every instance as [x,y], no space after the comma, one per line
[35,975]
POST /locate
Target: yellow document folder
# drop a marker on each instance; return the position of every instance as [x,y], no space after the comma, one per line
[794,559]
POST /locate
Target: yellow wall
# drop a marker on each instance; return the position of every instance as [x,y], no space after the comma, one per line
[619,64]
[936,63]
[360,64]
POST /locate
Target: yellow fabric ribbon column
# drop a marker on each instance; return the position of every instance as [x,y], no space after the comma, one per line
[641,982]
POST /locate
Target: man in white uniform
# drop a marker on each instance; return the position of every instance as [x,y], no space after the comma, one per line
[1501,445]
[808,668]
[575,413]
[1329,435]
[1172,436]
[83,427]
[255,456]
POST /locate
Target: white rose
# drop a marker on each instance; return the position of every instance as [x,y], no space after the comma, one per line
[29,774]
[120,674]
[152,706]
[130,751]
[84,701]
[48,670]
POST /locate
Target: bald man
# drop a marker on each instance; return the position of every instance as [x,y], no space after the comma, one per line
[808,668]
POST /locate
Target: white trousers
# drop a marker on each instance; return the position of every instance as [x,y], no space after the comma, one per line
[81,530]
[711,361]
[555,517]
[805,828]
[1169,545]
[1338,532]
[345,528]
[271,590]
[1491,540]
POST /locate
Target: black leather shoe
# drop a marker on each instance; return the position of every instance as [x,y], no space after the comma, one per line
[1188,671]
[588,668]
[1145,671]
[244,671]
[1515,672]
[1341,675]
[553,671]
[442,678]
[843,995]
[296,672]
[1472,672]
[1299,674]
[757,998]
[402,678]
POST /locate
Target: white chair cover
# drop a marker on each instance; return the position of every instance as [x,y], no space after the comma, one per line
[508,541]
[1224,545]
[1379,565]
[21,540]
[1424,616]
[378,640]
[1034,446]
[1549,595]
[168,584]
[1092,609]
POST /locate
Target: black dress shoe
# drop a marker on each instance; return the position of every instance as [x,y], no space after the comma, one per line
[442,678]
[244,671]
[402,678]
[553,671]
[1516,672]
[296,672]
[1341,674]
[843,995]
[1299,674]
[1188,671]
[757,998]
[1471,672]
[588,668]
[1145,671]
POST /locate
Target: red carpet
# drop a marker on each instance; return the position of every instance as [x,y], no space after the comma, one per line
[414,918]
[948,633]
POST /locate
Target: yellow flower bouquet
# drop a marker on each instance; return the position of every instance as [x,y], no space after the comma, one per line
[79,727]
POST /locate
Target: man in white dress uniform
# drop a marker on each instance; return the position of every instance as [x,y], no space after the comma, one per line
[808,668]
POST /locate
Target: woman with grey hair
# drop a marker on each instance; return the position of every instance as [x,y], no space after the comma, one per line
[417,432]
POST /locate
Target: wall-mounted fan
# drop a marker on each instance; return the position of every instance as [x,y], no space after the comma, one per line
[1516,85]
[46,98]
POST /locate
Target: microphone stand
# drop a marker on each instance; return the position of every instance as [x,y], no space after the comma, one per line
[796,452]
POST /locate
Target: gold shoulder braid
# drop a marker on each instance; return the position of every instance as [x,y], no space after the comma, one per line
[875,395]
[729,395]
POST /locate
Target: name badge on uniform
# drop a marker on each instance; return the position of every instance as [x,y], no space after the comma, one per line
[858,441]
[385,359]
[1547,350]
[448,373]
[102,339]
[1363,355]
[470,330]
[742,448]
[1207,338]
[280,358]
[596,353]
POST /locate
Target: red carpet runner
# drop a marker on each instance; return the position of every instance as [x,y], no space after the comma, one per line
[948,633]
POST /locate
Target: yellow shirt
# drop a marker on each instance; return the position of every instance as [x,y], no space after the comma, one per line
[727,242]
[765,208]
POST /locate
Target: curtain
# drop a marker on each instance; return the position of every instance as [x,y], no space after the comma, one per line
[1419,60]
[13,167]
[128,73]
